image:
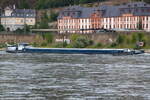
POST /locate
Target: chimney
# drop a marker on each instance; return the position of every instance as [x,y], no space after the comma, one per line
[14,6]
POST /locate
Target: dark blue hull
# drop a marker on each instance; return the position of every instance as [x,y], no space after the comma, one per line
[77,51]
[25,49]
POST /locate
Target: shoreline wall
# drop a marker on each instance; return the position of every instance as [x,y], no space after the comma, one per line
[38,38]
[104,38]
[18,38]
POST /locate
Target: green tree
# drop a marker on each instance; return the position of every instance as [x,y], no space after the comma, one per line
[120,39]
[26,29]
[44,22]
[53,17]
[41,4]
[74,37]
[140,37]
[45,4]
[24,4]
[134,38]
[48,37]
[83,1]
[82,42]
[2,28]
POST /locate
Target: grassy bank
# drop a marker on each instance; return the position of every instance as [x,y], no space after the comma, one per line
[131,40]
[2,46]
[122,40]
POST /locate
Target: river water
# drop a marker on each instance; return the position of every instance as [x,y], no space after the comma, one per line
[74,77]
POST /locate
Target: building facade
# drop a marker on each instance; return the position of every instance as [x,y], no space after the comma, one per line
[13,18]
[130,16]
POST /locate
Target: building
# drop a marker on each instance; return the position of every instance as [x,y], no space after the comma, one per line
[130,16]
[13,18]
[74,19]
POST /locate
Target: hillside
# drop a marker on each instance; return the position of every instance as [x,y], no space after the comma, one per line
[45,4]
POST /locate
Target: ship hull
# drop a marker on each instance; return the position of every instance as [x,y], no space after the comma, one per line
[81,51]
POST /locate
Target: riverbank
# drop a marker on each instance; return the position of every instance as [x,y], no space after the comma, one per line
[1,49]
[147,50]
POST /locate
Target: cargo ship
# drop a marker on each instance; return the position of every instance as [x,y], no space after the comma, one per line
[25,48]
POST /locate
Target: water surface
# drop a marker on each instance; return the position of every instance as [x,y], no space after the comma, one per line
[74,77]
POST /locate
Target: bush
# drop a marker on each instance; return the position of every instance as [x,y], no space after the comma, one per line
[44,44]
[2,28]
[35,44]
[113,45]
[120,39]
[82,42]
[25,30]
[74,37]
[43,24]
[48,37]
[140,37]
[134,38]
[53,17]
[2,45]
[58,45]
[96,45]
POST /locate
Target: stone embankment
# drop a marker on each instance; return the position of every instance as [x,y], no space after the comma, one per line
[38,38]
[2,49]
[147,51]
[18,38]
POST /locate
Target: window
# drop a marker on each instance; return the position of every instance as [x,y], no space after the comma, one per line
[68,14]
[21,21]
[129,10]
[143,10]
[146,25]
[73,13]
[122,10]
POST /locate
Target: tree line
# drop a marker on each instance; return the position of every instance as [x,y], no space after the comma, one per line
[43,4]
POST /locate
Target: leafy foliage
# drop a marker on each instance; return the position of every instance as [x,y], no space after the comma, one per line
[25,30]
[2,28]
[43,4]
[23,4]
[43,24]
[53,17]
[82,42]
[48,37]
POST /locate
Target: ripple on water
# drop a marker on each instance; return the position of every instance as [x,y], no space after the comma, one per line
[74,77]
